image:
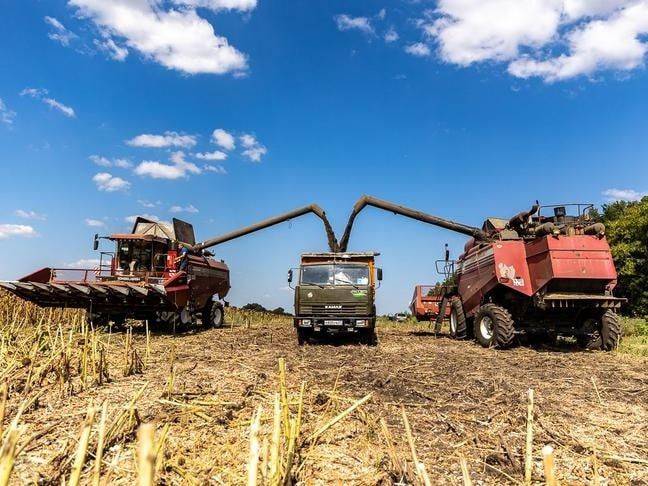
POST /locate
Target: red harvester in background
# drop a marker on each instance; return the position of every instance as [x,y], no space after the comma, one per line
[426,302]
[530,274]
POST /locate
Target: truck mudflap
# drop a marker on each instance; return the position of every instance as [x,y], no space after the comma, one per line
[570,300]
[84,295]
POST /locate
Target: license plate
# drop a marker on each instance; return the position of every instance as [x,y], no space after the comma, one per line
[333,323]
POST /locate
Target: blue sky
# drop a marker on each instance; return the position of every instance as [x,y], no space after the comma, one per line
[108,110]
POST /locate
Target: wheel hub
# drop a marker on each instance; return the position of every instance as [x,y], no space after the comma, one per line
[486,327]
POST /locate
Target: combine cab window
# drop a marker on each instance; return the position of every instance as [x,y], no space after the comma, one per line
[141,256]
[335,275]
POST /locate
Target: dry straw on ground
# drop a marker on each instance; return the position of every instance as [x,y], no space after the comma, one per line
[246,405]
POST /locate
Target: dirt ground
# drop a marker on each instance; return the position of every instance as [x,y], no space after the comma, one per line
[461,400]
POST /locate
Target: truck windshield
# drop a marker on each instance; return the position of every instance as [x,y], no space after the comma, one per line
[335,274]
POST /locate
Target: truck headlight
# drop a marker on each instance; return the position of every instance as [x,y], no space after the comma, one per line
[305,323]
[361,323]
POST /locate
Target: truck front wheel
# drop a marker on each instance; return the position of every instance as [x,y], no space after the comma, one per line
[303,336]
[494,326]
[369,337]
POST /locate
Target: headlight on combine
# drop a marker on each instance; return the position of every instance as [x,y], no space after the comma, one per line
[361,323]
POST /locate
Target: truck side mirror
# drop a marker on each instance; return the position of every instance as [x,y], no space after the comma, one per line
[95,244]
[290,276]
[379,274]
[447,253]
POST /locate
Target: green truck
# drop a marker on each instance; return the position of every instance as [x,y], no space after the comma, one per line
[335,294]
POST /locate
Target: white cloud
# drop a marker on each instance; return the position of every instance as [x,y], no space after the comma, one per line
[217,5]
[551,39]
[169,139]
[94,223]
[109,46]
[217,169]
[216,155]
[382,14]
[418,49]
[624,195]
[41,94]
[346,22]
[178,168]
[223,139]
[6,115]
[253,149]
[391,35]
[147,204]
[22,213]
[109,183]
[190,208]
[105,162]
[11,230]
[66,110]
[100,161]
[59,33]
[176,38]
[84,263]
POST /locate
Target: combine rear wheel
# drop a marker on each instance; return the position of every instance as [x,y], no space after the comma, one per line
[213,315]
[458,327]
[494,326]
[601,332]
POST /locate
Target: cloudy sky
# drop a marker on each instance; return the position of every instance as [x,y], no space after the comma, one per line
[223,112]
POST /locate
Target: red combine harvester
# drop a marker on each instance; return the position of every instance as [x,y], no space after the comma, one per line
[426,302]
[145,277]
[527,275]
[155,273]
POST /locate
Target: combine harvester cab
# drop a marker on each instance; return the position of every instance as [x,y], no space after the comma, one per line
[530,275]
[147,276]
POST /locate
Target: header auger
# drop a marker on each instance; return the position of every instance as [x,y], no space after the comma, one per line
[525,276]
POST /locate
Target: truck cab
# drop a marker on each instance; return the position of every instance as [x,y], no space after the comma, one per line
[335,294]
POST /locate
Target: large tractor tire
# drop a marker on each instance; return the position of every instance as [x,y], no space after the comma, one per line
[213,315]
[601,332]
[458,326]
[494,327]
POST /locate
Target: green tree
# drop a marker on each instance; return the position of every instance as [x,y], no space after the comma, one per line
[627,232]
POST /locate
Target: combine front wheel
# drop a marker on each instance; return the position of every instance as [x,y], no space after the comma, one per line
[458,327]
[494,326]
[213,314]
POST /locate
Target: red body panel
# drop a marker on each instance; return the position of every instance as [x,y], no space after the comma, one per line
[570,257]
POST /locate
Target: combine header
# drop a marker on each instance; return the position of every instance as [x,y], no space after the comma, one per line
[530,274]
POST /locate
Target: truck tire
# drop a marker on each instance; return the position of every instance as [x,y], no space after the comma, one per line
[458,328]
[213,314]
[494,327]
[303,336]
[369,337]
[601,333]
